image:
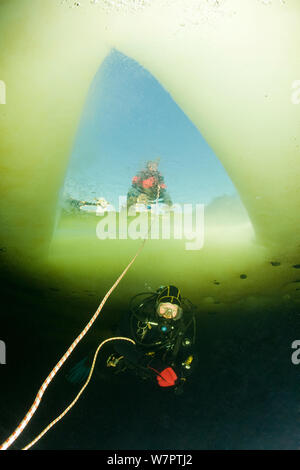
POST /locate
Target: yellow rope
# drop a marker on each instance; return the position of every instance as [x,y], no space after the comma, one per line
[78,395]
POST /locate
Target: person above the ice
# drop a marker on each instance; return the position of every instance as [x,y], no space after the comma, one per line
[163,327]
[148,187]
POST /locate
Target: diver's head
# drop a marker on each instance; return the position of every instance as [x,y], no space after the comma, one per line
[168,303]
[152,165]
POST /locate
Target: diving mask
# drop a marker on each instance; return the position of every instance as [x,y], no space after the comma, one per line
[167,310]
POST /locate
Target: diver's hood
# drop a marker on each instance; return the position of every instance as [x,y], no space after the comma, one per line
[169,294]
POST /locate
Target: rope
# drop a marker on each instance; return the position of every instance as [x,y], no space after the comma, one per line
[54,371]
[78,395]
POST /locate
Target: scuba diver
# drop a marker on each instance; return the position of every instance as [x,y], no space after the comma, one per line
[163,327]
[148,187]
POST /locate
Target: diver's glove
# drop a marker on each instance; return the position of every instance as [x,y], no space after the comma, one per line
[79,373]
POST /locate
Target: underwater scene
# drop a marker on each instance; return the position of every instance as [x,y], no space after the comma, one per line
[150,228]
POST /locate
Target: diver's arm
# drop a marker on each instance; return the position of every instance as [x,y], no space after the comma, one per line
[127,349]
